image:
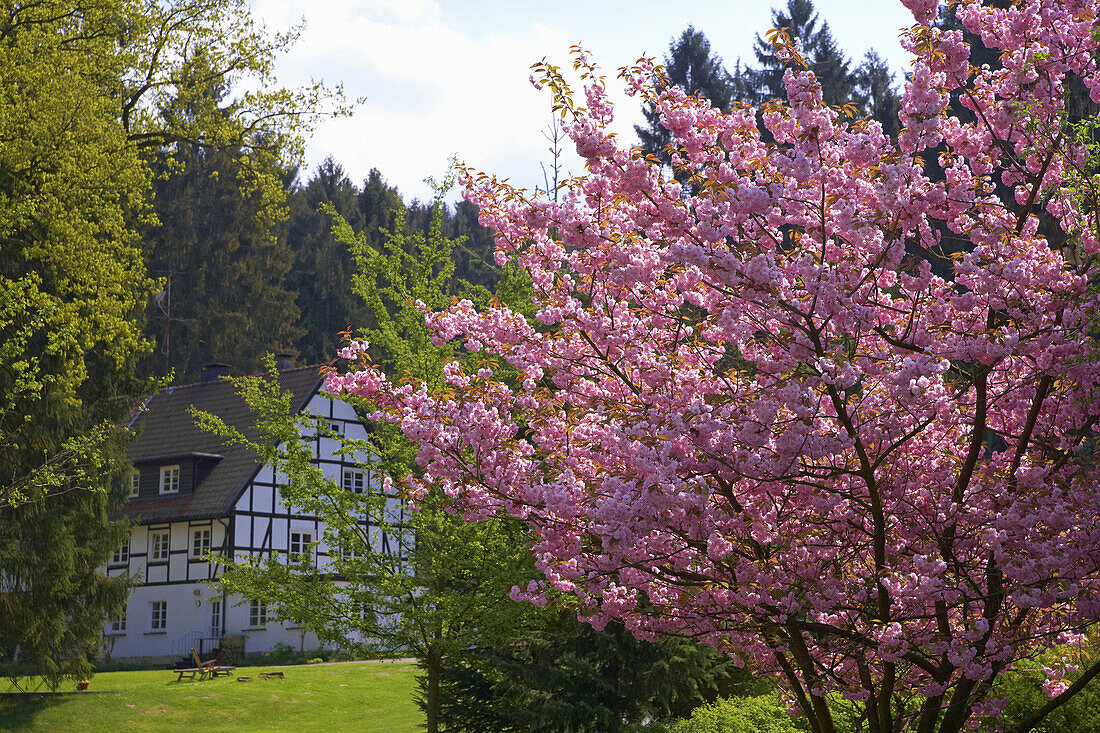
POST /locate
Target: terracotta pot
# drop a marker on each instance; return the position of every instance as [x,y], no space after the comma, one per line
[82,685]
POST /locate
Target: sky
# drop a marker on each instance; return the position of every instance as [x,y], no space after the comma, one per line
[443,78]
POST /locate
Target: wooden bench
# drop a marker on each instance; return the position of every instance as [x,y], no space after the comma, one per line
[189,671]
[203,669]
[222,669]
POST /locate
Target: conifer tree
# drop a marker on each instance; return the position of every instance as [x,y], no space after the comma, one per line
[323,266]
[690,65]
[800,19]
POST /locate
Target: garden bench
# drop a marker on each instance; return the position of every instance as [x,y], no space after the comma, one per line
[203,669]
[190,671]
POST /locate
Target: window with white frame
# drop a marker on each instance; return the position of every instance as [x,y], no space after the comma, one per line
[216,617]
[355,480]
[159,617]
[200,542]
[158,545]
[118,623]
[122,554]
[335,427]
[300,543]
[133,482]
[257,614]
[169,479]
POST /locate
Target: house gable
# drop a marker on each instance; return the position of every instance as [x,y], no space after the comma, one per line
[212,475]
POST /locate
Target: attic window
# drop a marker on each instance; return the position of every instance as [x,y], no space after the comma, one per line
[170,479]
[133,478]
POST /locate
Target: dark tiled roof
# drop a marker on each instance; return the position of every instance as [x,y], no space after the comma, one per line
[166,430]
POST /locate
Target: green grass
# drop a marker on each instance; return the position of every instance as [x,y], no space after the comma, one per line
[360,696]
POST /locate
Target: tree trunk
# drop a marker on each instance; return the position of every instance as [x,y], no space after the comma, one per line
[432,664]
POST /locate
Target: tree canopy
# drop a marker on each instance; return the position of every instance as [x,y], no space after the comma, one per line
[99,100]
[747,411]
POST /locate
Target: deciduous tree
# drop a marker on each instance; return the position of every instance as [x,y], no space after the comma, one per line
[751,414]
[91,92]
[440,585]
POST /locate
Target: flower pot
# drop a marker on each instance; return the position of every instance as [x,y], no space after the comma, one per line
[82,685]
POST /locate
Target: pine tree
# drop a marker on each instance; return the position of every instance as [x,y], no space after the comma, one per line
[690,65]
[817,45]
[322,266]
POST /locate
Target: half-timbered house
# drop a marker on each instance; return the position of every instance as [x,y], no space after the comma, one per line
[191,495]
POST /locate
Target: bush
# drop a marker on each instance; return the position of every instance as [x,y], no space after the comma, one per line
[761,714]
[1023,687]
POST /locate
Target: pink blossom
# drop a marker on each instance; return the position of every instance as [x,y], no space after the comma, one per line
[751,410]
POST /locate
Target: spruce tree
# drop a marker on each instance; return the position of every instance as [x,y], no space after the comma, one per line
[221,249]
[322,266]
[800,19]
[875,94]
[691,66]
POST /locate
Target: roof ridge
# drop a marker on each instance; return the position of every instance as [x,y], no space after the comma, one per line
[222,380]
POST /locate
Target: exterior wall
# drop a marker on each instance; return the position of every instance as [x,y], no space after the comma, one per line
[188,620]
[262,524]
[258,525]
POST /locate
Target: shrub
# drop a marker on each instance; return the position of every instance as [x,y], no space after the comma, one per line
[760,714]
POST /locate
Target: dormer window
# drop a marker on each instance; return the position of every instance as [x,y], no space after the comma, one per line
[170,479]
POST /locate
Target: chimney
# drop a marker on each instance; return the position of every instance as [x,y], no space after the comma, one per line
[214,372]
[284,362]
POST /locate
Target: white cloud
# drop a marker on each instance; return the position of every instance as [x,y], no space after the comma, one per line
[431,92]
[441,80]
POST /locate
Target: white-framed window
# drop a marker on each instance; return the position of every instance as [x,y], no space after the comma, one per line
[355,480]
[122,554]
[118,623]
[158,620]
[300,543]
[133,482]
[216,617]
[169,479]
[335,427]
[158,544]
[200,542]
[257,614]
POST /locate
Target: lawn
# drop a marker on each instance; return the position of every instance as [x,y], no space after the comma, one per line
[361,696]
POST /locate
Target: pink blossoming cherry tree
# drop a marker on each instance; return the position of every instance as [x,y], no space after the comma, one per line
[749,409]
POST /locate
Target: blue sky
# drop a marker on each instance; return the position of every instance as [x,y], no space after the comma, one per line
[443,78]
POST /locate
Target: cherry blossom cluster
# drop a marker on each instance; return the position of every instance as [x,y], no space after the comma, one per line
[766,405]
